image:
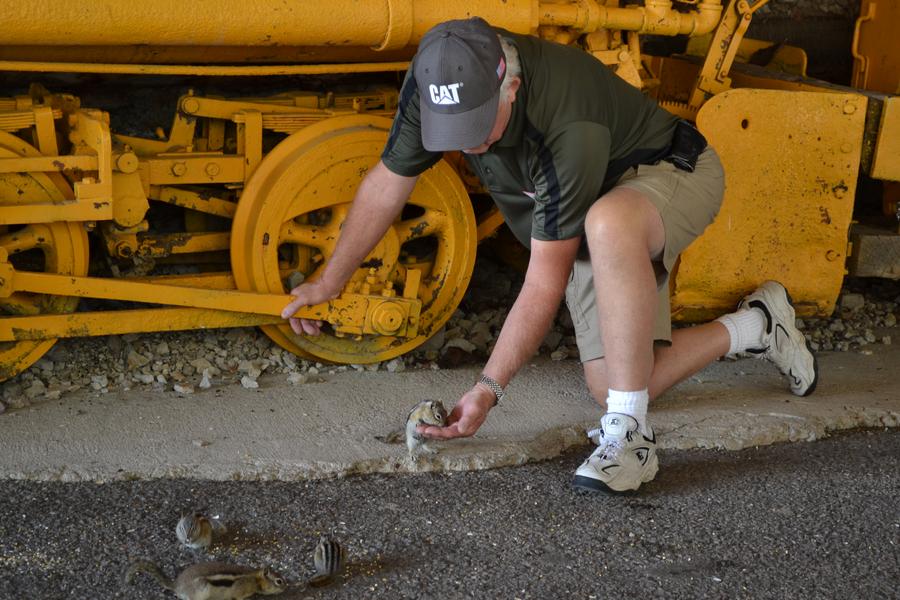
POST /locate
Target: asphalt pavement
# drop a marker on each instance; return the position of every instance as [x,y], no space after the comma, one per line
[802,520]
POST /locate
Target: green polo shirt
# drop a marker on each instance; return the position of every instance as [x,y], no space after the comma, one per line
[575,128]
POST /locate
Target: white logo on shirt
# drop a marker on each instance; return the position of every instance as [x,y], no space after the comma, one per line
[445,94]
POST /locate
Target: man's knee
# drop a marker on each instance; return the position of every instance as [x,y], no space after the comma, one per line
[623,218]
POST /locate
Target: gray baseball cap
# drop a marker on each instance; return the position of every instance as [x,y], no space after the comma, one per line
[458,69]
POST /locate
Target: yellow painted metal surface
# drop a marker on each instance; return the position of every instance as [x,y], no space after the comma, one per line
[39,66]
[384,24]
[52,247]
[886,162]
[876,47]
[788,201]
[116,322]
[352,313]
[290,215]
[104,36]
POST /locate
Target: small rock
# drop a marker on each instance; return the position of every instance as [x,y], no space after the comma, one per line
[395,365]
[435,342]
[202,364]
[114,343]
[462,344]
[296,378]
[37,388]
[2,408]
[890,320]
[144,378]
[560,354]
[553,339]
[295,279]
[183,388]
[53,394]
[852,301]
[162,379]
[250,368]
[886,340]
[205,383]
[200,443]
[249,383]
[162,349]
[136,360]
[98,382]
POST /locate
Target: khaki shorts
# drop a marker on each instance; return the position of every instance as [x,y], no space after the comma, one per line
[687,203]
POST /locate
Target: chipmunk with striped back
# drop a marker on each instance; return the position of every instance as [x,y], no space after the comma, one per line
[329,558]
[213,580]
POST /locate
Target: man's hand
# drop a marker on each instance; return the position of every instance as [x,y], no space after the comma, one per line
[307,294]
[465,418]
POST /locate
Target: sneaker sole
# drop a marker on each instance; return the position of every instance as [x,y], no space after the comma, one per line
[815,381]
[590,484]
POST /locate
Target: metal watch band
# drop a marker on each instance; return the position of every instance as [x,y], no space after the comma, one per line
[494,387]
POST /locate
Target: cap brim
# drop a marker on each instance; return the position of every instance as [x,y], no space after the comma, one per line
[443,132]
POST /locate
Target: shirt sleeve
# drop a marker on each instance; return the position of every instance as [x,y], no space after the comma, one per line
[404,153]
[568,170]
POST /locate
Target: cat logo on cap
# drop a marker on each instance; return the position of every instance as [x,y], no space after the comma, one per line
[445,94]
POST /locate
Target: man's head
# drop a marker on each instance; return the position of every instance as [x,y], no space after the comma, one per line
[459,70]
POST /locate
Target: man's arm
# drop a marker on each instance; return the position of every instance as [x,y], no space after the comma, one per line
[378,200]
[535,307]
[522,333]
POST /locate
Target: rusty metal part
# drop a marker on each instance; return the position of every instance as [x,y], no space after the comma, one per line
[290,215]
[788,201]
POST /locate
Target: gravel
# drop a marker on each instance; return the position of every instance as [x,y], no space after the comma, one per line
[191,362]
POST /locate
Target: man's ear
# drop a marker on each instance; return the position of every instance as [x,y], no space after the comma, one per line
[513,87]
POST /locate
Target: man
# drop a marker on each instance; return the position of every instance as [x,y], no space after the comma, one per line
[606,189]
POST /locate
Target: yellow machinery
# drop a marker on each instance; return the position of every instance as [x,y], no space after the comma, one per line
[213,222]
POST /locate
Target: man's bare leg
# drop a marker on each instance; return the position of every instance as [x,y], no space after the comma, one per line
[624,231]
[692,349]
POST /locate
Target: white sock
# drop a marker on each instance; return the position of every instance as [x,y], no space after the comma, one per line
[745,327]
[633,404]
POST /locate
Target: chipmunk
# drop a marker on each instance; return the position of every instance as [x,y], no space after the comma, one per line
[195,530]
[426,412]
[213,581]
[329,558]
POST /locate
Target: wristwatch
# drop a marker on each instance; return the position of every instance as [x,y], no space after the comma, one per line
[494,387]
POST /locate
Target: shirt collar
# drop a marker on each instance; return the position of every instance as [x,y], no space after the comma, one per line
[513,134]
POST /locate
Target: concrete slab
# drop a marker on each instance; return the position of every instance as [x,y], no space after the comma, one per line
[328,428]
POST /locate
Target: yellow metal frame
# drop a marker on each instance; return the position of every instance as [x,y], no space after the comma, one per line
[354,314]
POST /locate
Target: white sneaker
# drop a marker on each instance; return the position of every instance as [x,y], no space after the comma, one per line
[783,344]
[624,459]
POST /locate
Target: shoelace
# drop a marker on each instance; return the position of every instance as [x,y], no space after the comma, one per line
[611,448]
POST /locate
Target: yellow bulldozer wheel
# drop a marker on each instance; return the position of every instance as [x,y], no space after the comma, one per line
[289,218]
[45,247]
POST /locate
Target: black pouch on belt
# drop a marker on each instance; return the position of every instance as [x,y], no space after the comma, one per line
[687,144]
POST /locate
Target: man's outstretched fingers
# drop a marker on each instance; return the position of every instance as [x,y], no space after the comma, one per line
[291,308]
[440,433]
